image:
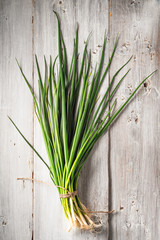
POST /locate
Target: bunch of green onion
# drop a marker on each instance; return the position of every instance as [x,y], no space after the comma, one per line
[70,123]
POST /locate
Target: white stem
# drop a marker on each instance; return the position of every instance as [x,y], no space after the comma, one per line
[79,220]
[69,228]
[83,220]
[70,220]
[72,210]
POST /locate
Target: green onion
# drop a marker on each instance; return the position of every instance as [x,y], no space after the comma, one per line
[69,123]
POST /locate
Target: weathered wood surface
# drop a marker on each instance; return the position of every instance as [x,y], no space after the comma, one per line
[135,145]
[15,101]
[93,187]
[125,178]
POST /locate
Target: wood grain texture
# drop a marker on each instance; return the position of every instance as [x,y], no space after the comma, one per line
[15,101]
[50,221]
[123,170]
[134,149]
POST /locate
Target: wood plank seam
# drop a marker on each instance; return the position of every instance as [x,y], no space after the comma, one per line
[109,135]
[33,118]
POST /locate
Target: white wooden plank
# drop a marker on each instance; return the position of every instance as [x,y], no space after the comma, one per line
[135,145]
[15,101]
[93,187]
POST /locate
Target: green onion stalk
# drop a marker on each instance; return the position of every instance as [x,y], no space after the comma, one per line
[70,123]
